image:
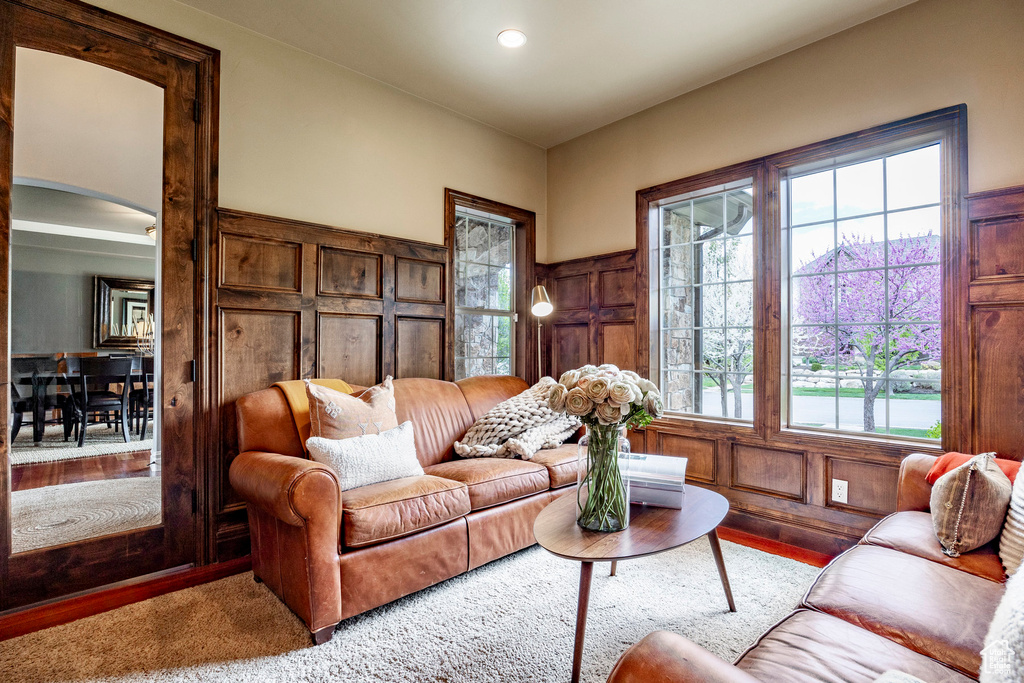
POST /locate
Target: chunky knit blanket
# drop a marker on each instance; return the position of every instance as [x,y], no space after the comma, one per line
[518,427]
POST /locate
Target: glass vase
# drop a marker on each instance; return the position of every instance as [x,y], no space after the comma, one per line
[602,496]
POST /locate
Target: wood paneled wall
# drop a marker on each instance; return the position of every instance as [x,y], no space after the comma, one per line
[996,321]
[594,320]
[295,300]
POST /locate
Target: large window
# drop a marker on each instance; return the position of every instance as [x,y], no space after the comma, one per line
[806,292]
[484,294]
[865,286]
[703,251]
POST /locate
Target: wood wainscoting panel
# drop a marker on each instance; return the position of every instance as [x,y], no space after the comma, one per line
[700,454]
[419,281]
[571,292]
[419,347]
[571,347]
[348,346]
[618,344]
[997,248]
[766,470]
[617,288]
[254,263]
[994,396]
[998,378]
[871,485]
[257,349]
[594,320]
[350,273]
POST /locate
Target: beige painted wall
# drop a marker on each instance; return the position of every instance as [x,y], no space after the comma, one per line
[929,55]
[305,139]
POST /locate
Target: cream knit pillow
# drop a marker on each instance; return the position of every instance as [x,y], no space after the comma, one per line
[370,459]
[1002,659]
[1011,541]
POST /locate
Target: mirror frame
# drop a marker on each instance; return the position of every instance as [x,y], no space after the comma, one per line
[102,286]
[189,74]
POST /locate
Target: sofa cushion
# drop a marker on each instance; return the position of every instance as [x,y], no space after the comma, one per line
[560,462]
[927,607]
[912,532]
[483,392]
[439,413]
[810,647]
[392,509]
[492,481]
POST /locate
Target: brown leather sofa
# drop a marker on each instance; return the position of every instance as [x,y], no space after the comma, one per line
[892,602]
[330,555]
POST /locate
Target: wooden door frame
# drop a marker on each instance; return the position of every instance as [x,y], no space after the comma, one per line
[525,361]
[189,74]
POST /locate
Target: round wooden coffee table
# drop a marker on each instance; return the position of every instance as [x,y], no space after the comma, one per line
[651,530]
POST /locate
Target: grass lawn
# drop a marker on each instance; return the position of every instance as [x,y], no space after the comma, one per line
[916,433]
[859,393]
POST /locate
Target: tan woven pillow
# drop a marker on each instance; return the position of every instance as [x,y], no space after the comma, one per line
[334,415]
[969,505]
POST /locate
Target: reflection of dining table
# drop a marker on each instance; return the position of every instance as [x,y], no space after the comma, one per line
[39,382]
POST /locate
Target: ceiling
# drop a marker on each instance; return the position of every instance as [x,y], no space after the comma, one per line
[59,212]
[586,63]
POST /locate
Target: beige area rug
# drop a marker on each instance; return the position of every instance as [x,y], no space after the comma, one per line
[99,440]
[511,620]
[53,515]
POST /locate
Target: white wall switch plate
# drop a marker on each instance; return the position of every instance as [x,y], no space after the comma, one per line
[840,490]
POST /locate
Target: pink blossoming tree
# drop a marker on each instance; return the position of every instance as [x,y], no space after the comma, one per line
[858,321]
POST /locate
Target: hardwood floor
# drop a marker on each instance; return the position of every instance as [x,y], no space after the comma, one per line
[117,466]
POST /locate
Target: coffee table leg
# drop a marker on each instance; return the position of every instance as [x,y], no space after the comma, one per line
[586,572]
[716,550]
[614,566]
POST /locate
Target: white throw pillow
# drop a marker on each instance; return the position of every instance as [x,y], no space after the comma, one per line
[1011,542]
[370,459]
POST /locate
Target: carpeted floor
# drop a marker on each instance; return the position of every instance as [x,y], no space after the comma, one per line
[53,515]
[99,440]
[511,620]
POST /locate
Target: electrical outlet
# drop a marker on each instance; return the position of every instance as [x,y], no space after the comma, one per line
[840,490]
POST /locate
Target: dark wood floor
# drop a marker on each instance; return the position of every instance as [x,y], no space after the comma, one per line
[118,466]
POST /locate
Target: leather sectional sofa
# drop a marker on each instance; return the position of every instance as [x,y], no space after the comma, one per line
[892,602]
[331,555]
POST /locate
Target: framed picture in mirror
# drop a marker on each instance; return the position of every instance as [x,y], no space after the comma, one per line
[122,311]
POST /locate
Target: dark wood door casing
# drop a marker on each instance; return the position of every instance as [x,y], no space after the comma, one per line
[188,73]
[297,300]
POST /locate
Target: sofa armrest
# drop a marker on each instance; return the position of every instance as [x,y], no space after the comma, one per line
[278,484]
[662,657]
[914,492]
[294,510]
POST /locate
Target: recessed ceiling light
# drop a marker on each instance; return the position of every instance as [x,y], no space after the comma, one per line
[511,37]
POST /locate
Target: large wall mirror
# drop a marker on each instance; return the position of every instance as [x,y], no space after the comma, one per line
[100,460]
[88,177]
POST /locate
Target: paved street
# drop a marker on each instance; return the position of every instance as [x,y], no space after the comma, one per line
[908,414]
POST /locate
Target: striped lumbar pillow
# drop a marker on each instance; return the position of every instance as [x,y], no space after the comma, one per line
[1011,542]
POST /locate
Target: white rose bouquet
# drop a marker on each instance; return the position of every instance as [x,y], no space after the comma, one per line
[606,396]
[606,399]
